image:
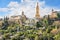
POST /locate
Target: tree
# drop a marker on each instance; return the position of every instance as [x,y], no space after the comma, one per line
[36,37]
[58,14]
[39,24]
[45,22]
[5,24]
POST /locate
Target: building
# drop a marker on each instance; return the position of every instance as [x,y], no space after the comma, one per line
[53,14]
[20,19]
[23,20]
[15,18]
[37,15]
[26,21]
[23,17]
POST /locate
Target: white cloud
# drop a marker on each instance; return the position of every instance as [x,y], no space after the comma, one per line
[13,4]
[27,0]
[1,16]
[28,6]
[3,9]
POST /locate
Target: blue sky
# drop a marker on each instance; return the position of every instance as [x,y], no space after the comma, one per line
[49,3]
[54,3]
[4,3]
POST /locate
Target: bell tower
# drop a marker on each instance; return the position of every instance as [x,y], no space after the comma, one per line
[37,15]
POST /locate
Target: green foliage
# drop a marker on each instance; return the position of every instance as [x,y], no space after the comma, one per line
[39,24]
[58,14]
[13,31]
